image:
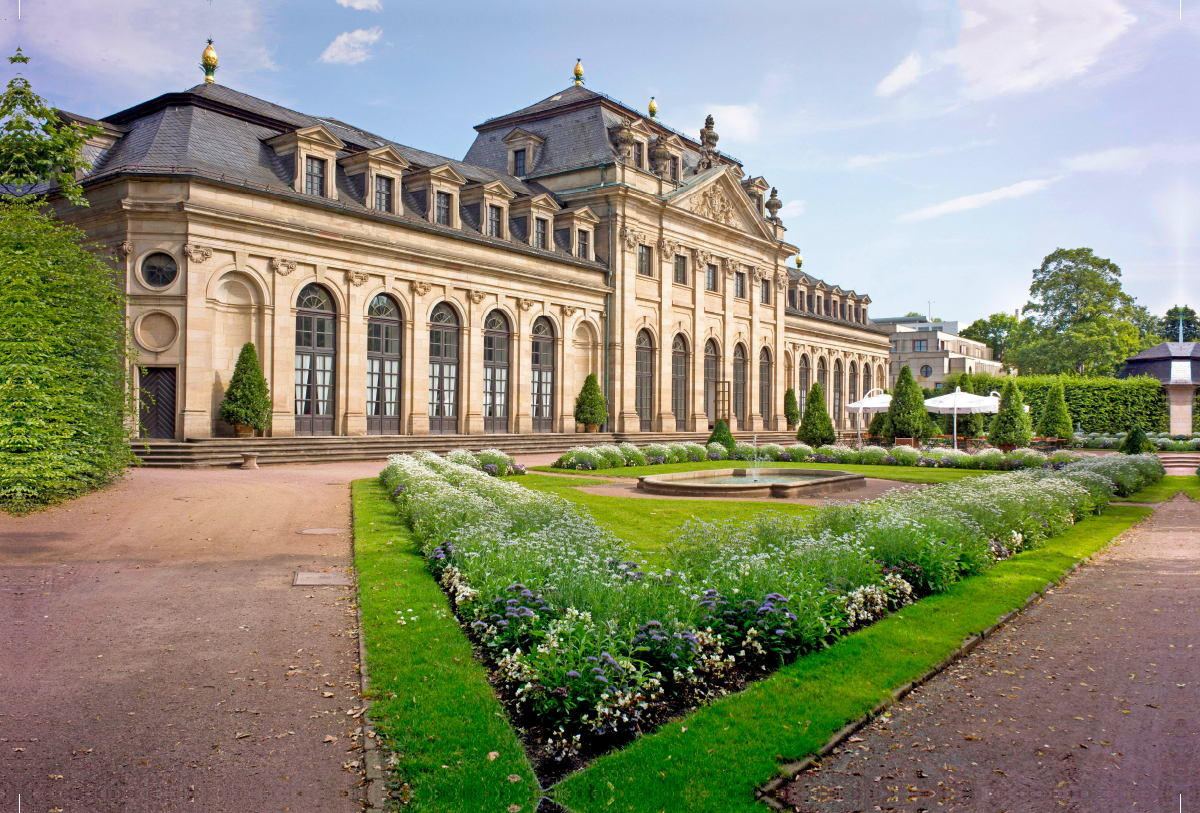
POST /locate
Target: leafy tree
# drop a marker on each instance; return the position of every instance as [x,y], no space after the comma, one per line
[1074,286]
[1136,442]
[816,429]
[247,401]
[1000,332]
[1056,418]
[1011,426]
[722,435]
[589,405]
[37,145]
[912,314]
[791,410]
[907,411]
[880,427]
[1168,326]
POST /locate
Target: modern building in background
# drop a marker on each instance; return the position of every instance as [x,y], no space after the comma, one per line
[390,290]
[934,350]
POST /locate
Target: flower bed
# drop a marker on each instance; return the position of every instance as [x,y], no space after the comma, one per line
[589,649]
[1162,441]
[491,462]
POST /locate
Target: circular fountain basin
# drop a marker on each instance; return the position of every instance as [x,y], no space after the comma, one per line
[780,483]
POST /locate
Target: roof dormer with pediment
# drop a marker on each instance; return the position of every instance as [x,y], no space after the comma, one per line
[368,167]
[425,184]
[315,141]
[522,139]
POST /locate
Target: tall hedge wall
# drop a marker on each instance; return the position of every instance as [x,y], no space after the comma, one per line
[1097,404]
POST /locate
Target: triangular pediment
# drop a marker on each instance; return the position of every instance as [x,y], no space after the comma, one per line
[497,188]
[389,155]
[319,133]
[640,127]
[447,173]
[541,200]
[519,134]
[718,195]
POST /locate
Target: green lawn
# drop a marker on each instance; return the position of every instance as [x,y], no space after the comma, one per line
[1168,487]
[712,760]
[908,474]
[432,703]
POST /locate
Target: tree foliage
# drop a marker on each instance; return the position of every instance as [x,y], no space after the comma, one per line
[791,409]
[247,401]
[816,429]
[906,413]
[1011,426]
[1056,418]
[589,404]
[1168,326]
[722,435]
[1136,442]
[1000,332]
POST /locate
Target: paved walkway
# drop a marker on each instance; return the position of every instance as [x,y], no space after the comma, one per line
[154,655]
[1087,703]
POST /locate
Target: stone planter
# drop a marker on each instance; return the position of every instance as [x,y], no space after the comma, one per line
[240,430]
[593,427]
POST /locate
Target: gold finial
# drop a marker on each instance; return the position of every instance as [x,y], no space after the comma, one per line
[653,107]
[208,61]
[579,71]
[799,261]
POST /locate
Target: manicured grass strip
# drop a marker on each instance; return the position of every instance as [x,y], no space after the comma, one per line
[432,703]
[1168,487]
[649,524]
[736,745]
[907,474]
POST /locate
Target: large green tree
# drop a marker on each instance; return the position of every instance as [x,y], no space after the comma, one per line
[1168,326]
[1000,332]
[907,413]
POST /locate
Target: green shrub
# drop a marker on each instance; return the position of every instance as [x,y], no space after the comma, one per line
[1056,418]
[791,410]
[873,456]
[816,428]
[611,456]
[631,454]
[905,455]
[799,451]
[247,401]
[657,453]
[1011,426]
[1136,442]
[718,449]
[722,435]
[463,457]
[907,411]
[590,408]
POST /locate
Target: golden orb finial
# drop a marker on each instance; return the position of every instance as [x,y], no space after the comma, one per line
[579,71]
[653,107]
[799,261]
[208,61]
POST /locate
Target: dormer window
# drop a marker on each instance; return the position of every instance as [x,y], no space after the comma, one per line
[444,203]
[383,194]
[314,176]
[494,225]
[583,244]
[674,168]
[810,304]
[540,229]
[639,155]
[518,162]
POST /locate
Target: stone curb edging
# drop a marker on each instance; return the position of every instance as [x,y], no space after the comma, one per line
[791,770]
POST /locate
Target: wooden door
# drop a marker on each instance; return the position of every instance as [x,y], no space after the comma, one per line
[157,391]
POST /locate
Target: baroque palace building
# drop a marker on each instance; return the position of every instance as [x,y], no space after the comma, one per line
[390,290]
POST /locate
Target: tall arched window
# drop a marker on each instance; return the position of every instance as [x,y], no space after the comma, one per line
[804,384]
[739,385]
[542,369]
[765,397]
[866,379]
[837,395]
[643,393]
[680,364]
[712,377]
[443,370]
[316,340]
[495,372]
[821,375]
[852,391]
[383,366]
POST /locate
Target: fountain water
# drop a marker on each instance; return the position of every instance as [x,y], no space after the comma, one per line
[754,465]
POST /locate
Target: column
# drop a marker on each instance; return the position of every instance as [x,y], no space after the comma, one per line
[698,422]
[470,367]
[520,380]
[352,384]
[753,407]
[282,338]
[781,383]
[416,393]
[664,419]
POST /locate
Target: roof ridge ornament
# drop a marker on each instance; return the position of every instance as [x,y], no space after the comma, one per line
[708,145]
[578,72]
[208,62]
[653,108]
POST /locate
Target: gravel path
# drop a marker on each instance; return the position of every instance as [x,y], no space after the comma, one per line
[154,655]
[1087,703]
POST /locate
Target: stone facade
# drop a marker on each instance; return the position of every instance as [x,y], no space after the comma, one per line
[628,247]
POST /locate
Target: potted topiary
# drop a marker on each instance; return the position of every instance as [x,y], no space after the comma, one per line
[907,415]
[1055,422]
[1011,426]
[816,429]
[590,409]
[791,410]
[247,403]
[722,435]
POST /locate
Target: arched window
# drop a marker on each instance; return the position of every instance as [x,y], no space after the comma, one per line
[852,391]
[443,370]
[804,384]
[495,372]
[542,369]
[837,395]
[680,364]
[739,385]
[316,338]
[643,393]
[383,366]
[712,379]
[866,379]
[821,376]
[765,398]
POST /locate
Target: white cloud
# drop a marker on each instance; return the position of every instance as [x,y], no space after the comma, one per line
[1133,159]
[902,76]
[966,202]
[361,5]
[1016,46]
[859,161]
[352,47]
[793,208]
[738,121]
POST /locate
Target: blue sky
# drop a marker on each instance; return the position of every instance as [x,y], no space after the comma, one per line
[925,150]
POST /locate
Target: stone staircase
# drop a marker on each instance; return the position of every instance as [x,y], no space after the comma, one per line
[227,452]
[1180,462]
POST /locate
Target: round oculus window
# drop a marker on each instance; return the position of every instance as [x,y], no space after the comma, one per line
[926,371]
[159,270]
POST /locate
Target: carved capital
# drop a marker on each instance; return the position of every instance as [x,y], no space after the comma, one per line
[781,280]
[477,296]
[121,250]
[569,310]
[701,257]
[283,266]
[420,287]
[667,248]
[729,267]
[526,304]
[632,238]
[197,254]
[356,277]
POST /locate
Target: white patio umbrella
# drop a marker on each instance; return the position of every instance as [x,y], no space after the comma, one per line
[965,402]
[870,403]
[994,397]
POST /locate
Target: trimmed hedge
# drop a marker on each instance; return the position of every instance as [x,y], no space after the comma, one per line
[1097,404]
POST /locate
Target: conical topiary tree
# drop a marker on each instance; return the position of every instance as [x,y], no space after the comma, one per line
[791,410]
[247,400]
[816,429]
[722,435]
[1136,442]
[590,408]
[907,410]
[1011,426]
[1056,418]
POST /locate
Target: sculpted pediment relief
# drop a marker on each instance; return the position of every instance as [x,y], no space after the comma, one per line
[722,200]
[714,204]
